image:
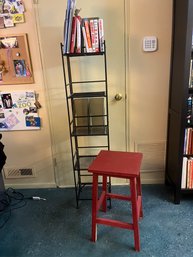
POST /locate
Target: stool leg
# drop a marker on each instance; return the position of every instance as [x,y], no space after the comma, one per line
[105,190]
[94,207]
[135,213]
[109,191]
[139,193]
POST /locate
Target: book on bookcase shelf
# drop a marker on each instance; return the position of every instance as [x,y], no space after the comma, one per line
[78,42]
[191,75]
[188,142]
[82,35]
[94,29]
[184,172]
[189,110]
[73,35]
[187,173]
[187,165]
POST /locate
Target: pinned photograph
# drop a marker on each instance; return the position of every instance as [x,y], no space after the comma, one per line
[20,7]
[3,125]
[20,68]
[7,101]
[1,6]
[32,109]
[32,121]
[11,121]
[30,94]
[26,111]
[2,115]
[1,23]
[7,6]
[18,18]
[8,42]
[8,21]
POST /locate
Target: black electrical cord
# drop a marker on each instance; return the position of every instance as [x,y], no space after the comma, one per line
[13,200]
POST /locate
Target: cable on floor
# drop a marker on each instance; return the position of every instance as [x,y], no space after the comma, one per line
[12,200]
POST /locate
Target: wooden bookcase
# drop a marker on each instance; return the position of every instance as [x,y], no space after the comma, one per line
[180,90]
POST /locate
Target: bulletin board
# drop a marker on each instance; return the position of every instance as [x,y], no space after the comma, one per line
[18,111]
[15,63]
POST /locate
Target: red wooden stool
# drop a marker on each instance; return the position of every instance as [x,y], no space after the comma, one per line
[120,165]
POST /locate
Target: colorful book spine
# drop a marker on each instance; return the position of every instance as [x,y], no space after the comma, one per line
[85,39]
[185,141]
[184,172]
[190,76]
[189,164]
[101,35]
[88,37]
[92,35]
[96,35]
[78,34]
[73,35]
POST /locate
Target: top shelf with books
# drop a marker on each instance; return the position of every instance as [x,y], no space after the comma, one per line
[82,36]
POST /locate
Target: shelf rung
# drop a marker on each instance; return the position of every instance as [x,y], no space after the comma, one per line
[87,156]
[89,81]
[90,116]
[87,94]
[98,146]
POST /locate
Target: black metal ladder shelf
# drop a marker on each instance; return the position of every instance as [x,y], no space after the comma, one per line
[86,125]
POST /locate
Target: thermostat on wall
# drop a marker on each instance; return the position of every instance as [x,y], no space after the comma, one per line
[150,44]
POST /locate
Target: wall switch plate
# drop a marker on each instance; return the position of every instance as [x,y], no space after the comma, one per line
[150,44]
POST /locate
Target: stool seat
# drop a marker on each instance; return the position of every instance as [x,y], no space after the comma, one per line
[121,165]
[117,164]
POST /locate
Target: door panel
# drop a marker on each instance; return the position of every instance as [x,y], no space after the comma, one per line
[50,20]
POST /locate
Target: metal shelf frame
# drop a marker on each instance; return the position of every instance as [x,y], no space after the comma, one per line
[89,130]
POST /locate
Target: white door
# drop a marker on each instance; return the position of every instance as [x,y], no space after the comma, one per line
[50,19]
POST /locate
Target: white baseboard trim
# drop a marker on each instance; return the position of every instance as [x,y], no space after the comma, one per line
[31,186]
[156,179]
[144,181]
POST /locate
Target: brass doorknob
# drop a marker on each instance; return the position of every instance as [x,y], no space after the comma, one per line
[118,97]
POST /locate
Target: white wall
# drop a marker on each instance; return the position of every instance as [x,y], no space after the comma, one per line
[30,149]
[148,79]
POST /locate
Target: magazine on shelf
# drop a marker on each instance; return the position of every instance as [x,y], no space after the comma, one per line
[68,24]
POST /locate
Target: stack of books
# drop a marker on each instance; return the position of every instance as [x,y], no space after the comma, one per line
[189,115]
[188,141]
[82,35]
[187,166]
[187,173]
